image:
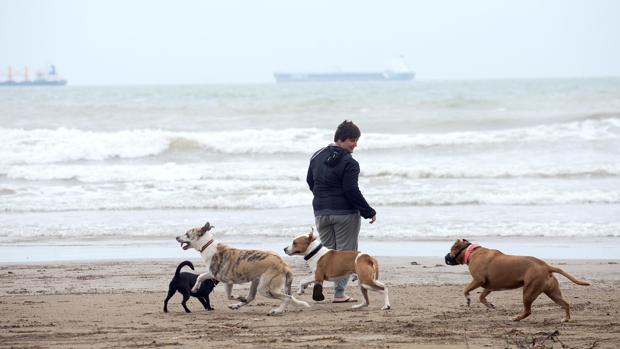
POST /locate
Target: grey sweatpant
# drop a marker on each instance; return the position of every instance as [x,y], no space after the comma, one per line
[339,232]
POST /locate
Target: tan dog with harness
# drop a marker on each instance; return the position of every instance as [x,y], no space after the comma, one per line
[495,271]
[332,265]
[266,271]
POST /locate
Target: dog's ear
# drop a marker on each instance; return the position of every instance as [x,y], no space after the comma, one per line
[311,235]
[464,240]
[206,228]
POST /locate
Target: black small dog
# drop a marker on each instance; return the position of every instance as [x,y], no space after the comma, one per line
[183,282]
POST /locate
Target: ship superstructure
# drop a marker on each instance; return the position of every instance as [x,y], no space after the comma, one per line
[22,78]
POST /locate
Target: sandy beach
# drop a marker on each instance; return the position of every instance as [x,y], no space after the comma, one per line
[119,304]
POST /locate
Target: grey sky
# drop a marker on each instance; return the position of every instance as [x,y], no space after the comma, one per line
[231,41]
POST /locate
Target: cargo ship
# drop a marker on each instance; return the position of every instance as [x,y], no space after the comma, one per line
[343,76]
[50,78]
[398,72]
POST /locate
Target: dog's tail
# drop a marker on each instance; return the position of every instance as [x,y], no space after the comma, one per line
[375,267]
[184,263]
[569,276]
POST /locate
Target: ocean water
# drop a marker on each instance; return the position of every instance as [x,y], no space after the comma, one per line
[439,160]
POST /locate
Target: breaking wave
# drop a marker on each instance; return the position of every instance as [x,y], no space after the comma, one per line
[44,146]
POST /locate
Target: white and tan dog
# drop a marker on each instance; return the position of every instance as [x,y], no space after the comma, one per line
[266,271]
[332,265]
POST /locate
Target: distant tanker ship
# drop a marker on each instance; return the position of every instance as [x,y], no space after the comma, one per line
[343,76]
[398,72]
[42,79]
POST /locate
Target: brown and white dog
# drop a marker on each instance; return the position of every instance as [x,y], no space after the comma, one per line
[266,271]
[495,271]
[332,265]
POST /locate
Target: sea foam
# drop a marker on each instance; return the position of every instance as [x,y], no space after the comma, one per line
[41,146]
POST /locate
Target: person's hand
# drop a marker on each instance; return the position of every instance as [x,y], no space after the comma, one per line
[373,219]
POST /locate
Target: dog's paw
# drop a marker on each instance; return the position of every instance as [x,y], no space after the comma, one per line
[317,293]
[359,306]
[386,307]
[467,301]
[275,312]
[235,306]
[242,299]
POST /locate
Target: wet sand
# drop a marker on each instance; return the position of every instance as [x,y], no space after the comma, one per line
[99,304]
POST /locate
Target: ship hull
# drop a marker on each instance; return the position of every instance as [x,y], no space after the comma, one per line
[34,83]
[361,76]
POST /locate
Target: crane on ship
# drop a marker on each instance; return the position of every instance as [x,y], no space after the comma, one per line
[21,77]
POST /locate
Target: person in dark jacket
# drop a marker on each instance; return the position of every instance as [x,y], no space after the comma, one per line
[338,203]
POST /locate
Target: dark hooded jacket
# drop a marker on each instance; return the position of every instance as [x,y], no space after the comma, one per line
[332,178]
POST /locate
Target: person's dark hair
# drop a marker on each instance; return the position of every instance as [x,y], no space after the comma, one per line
[347,130]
